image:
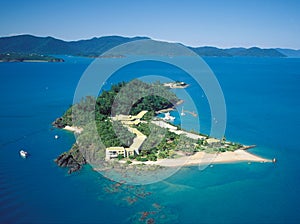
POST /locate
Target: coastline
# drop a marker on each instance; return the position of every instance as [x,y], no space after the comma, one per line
[207,150]
[203,158]
[199,158]
[170,108]
[26,61]
[74,129]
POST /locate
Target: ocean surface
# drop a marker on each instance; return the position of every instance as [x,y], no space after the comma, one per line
[263,104]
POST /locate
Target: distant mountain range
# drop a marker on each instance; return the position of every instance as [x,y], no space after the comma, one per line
[26,44]
[289,52]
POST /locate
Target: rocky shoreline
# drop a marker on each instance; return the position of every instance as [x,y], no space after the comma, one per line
[73,159]
[58,123]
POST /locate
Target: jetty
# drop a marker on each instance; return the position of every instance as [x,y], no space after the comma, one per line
[183,113]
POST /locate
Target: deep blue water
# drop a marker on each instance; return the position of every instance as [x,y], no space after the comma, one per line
[263,103]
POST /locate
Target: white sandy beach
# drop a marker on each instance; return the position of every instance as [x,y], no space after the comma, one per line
[202,158]
[75,129]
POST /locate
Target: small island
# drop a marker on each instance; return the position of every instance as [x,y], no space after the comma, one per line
[141,138]
[176,85]
[20,57]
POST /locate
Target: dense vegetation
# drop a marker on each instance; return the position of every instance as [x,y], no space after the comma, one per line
[20,57]
[107,130]
[162,143]
[133,97]
[124,94]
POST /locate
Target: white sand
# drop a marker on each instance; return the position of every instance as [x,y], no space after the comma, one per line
[202,158]
[73,129]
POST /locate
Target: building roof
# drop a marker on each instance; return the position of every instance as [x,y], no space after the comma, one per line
[123,117]
[137,143]
[212,140]
[140,137]
[141,114]
[135,122]
[137,132]
[115,148]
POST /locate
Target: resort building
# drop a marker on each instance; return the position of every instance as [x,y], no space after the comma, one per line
[130,119]
[126,120]
[212,140]
[114,152]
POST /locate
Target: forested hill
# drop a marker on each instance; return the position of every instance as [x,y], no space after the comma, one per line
[28,44]
[49,45]
[240,52]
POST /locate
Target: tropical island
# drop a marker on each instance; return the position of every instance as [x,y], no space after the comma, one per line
[176,85]
[136,136]
[22,57]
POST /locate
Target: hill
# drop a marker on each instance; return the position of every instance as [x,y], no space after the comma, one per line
[48,45]
[238,52]
[289,52]
[254,52]
[210,51]
[28,44]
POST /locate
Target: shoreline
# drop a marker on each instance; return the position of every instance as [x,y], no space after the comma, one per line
[27,61]
[199,158]
[170,108]
[203,158]
[74,129]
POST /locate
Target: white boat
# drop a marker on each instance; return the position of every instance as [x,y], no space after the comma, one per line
[23,153]
[182,112]
[56,136]
[168,117]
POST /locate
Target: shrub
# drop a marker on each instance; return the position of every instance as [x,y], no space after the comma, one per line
[141,159]
[162,155]
[131,157]
[222,150]
[152,157]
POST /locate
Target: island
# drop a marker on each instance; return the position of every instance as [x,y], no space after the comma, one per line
[99,45]
[139,137]
[97,55]
[176,85]
[22,57]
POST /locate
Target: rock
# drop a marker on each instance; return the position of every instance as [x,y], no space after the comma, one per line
[72,159]
[74,168]
[58,123]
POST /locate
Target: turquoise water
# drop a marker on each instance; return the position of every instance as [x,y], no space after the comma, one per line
[262,98]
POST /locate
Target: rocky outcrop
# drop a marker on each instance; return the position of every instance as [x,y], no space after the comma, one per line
[58,123]
[72,159]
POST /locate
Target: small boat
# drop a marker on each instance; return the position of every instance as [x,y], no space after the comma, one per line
[23,153]
[182,112]
[56,136]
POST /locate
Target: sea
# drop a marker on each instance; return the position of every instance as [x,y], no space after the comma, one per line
[262,108]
